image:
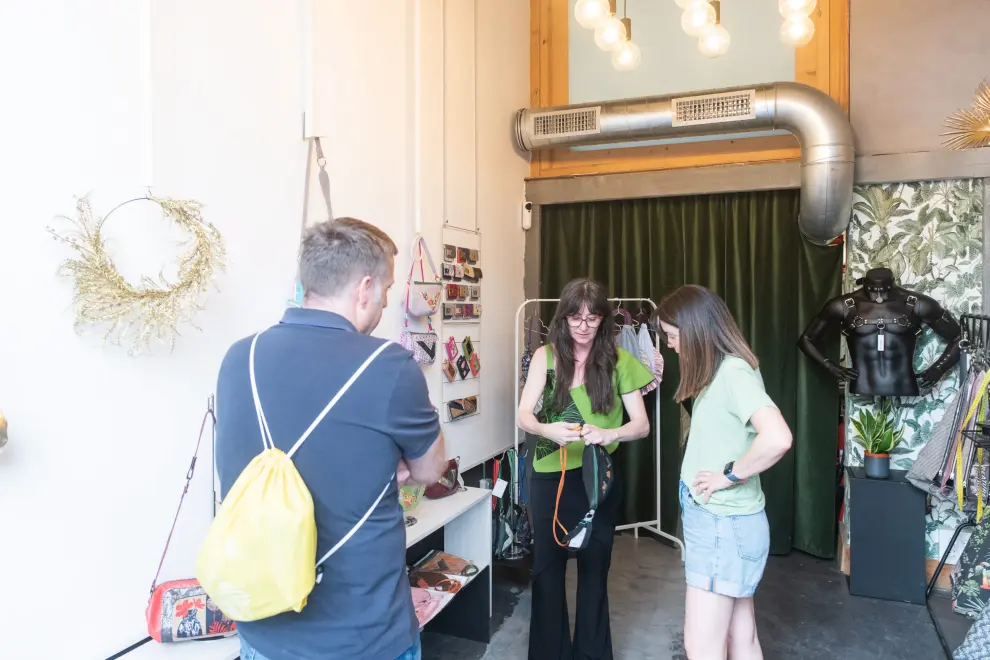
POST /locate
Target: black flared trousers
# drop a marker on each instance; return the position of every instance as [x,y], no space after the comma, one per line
[549,629]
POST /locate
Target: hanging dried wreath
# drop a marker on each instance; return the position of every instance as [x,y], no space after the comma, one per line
[136,314]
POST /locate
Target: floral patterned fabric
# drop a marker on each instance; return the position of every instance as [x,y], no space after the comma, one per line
[930,234]
[971,575]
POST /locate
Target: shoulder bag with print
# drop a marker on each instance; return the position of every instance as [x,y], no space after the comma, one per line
[180,610]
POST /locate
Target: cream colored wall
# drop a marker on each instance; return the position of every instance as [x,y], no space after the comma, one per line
[100,442]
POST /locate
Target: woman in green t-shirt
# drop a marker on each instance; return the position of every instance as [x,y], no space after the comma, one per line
[581,383]
[736,433]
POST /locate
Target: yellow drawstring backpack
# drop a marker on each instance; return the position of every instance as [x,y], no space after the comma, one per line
[259,556]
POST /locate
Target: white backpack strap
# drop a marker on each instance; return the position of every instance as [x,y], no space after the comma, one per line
[335,399]
[367,514]
[266,434]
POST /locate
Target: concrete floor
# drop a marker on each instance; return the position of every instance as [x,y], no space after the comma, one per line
[803,607]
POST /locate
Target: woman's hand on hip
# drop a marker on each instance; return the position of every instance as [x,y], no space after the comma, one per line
[707,483]
[562,433]
[592,435]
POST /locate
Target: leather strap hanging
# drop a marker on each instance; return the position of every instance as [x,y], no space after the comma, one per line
[321,161]
[189,475]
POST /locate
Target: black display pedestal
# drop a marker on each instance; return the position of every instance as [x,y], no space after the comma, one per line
[886,537]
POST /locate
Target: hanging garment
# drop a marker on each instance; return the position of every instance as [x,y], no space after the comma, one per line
[924,473]
[627,340]
[646,347]
[971,574]
[976,646]
[953,459]
[527,355]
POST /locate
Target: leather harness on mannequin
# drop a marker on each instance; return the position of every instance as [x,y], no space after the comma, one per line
[882,323]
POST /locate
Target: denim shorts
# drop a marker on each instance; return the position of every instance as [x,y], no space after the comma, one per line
[725,555]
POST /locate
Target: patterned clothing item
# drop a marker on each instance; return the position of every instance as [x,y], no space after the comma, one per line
[976,646]
[629,376]
[971,574]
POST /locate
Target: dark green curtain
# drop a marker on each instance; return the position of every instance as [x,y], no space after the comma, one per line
[746,247]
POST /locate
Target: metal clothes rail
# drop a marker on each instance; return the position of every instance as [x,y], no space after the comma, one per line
[649,525]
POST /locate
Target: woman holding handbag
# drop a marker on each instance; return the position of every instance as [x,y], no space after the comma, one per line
[737,432]
[585,386]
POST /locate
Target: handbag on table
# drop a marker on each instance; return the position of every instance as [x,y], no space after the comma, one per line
[447,484]
[180,610]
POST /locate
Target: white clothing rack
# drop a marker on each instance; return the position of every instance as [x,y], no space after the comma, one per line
[649,525]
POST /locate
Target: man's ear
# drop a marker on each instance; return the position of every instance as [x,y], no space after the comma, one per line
[366,287]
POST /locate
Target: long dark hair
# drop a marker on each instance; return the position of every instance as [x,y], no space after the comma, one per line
[707,334]
[601,360]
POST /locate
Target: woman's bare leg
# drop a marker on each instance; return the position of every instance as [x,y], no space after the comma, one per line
[743,641]
[706,624]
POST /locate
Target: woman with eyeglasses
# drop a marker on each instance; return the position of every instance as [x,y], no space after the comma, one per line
[580,383]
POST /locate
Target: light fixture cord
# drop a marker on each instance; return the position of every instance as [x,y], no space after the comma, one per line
[624,9]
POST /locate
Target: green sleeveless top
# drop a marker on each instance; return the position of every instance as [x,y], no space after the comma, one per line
[630,375]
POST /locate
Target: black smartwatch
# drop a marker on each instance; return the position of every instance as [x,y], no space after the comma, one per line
[728,473]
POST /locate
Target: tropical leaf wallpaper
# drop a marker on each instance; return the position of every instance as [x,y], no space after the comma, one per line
[930,234]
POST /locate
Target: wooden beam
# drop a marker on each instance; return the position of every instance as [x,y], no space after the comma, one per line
[665,183]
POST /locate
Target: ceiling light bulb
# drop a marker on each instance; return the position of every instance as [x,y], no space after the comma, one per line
[714,42]
[626,57]
[797,31]
[590,13]
[698,17]
[610,34]
[789,8]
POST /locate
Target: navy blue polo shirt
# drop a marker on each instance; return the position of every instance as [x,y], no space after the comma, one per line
[362,608]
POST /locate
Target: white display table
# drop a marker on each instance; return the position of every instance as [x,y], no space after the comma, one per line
[466,520]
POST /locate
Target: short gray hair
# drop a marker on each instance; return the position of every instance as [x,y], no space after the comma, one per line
[337,253]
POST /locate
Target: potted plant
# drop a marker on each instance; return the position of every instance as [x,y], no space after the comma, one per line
[879,433]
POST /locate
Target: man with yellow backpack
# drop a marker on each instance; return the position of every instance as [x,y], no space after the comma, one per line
[317,424]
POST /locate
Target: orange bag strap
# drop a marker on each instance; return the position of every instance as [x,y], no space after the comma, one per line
[560,490]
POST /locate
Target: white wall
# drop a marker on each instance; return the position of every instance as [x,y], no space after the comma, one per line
[424,125]
[100,442]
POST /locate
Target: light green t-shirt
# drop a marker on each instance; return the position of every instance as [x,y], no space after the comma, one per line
[630,375]
[721,432]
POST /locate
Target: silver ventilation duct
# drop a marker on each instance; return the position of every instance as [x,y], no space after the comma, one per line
[819,124]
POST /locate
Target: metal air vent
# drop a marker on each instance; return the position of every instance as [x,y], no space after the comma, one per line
[566,123]
[714,108]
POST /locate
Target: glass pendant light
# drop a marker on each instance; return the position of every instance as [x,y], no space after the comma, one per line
[697,18]
[714,42]
[791,8]
[591,13]
[797,31]
[627,56]
[610,34]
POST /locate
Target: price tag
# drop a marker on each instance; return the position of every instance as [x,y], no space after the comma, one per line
[500,487]
[880,342]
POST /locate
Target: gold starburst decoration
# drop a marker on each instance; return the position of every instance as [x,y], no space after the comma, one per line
[153,309]
[970,128]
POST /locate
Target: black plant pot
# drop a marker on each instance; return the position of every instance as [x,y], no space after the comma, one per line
[877,465]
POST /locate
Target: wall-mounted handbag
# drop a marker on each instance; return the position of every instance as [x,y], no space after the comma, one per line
[180,610]
[423,295]
[423,345]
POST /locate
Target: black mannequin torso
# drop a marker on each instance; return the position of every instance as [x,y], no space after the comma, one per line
[882,323]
